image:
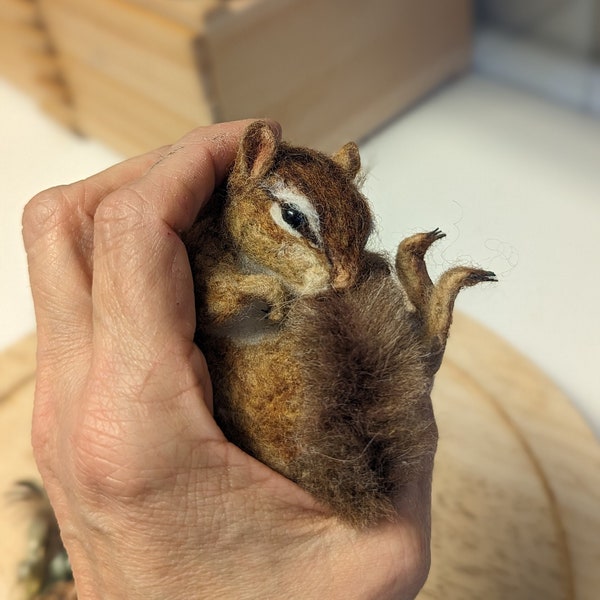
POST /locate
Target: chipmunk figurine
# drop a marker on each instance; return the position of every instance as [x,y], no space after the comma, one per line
[322,354]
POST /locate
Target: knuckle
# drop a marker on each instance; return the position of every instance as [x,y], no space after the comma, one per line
[104,466]
[123,206]
[44,212]
[120,214]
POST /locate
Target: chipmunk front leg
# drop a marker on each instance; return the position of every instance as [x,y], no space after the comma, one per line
[228,293]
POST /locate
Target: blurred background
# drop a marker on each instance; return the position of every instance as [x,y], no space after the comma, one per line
[481,118]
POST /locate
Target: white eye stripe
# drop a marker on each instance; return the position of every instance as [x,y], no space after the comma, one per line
[287,194]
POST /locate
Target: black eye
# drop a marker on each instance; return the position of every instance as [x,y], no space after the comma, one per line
[294,218]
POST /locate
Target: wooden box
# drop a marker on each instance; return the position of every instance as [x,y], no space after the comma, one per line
[143,72]
[27,58]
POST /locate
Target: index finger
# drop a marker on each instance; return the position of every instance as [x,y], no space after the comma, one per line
[142,286]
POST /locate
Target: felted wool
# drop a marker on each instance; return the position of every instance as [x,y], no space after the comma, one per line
[322,354]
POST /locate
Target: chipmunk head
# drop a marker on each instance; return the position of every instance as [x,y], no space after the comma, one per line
[296,212]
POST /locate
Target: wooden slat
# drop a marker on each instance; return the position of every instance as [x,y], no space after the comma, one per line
[129,122]
[55,101]
[137,61]
[25,66]
[146,29]
[189,12]
[21,36]
[27,59]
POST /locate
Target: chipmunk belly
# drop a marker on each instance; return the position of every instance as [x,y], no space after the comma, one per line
[258,391]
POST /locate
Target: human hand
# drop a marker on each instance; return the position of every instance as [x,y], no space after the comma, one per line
[152,500]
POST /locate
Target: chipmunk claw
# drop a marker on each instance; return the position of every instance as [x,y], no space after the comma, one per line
[436,234]
[478,276]
[417,245]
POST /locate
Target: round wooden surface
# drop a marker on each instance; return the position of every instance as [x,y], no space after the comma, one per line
[516,495]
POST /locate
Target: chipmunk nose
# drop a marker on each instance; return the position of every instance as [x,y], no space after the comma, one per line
[342,278]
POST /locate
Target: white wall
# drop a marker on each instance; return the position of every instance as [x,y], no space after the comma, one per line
[571,24]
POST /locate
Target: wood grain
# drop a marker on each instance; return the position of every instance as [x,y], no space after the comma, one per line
[561,447]
[329,71]
[192,12]
[130,122]
[19,11]
[516,493]
[139,52]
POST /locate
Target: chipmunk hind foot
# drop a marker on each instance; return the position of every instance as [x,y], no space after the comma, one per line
[434,302]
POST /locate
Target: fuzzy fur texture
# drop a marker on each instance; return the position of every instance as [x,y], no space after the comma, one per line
[322,354]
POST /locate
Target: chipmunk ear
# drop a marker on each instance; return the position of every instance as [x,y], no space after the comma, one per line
[257,150]
[348,157]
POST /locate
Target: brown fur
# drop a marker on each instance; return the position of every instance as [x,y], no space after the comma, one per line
[334,392]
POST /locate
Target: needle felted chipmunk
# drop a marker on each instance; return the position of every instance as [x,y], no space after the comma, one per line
[322,354]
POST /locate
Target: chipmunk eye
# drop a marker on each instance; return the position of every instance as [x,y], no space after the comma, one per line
[294,218]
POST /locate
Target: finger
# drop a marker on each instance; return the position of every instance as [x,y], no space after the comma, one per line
[58,232]
[179,184]
[58,238]
[143,299]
